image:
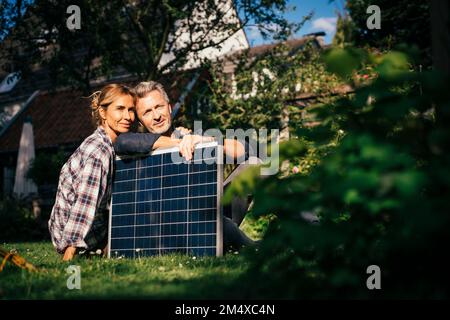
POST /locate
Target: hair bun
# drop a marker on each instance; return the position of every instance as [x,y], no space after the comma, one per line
[95,100]
[104,97]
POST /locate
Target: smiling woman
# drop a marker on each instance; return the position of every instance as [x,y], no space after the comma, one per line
[113,109]
[79,217]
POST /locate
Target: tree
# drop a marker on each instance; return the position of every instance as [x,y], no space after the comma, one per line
[402,22]
[261,87]
[344,30]
[40,37]
[132,35]
[11,15]
[379,192]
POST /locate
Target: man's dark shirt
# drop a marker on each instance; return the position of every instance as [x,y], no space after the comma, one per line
[133,143]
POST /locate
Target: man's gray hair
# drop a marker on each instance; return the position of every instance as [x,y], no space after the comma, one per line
[144,88]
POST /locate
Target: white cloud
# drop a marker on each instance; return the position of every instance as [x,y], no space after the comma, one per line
[327,24]
[253,32]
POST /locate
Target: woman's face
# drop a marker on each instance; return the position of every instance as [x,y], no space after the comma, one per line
[119,116]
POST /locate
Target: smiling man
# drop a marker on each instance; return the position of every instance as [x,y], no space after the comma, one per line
[154,112]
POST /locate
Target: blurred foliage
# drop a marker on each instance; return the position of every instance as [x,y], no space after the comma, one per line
[17,222]
[402,22]
[256,226]
[344,30]
[379,190]
[46,167]
[148,37]
[255,94]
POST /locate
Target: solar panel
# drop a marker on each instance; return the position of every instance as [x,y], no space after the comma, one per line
[162,206]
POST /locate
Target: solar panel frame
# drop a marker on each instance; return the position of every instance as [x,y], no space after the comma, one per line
[219,192]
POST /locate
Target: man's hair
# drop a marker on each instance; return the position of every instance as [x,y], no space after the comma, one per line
[144,88]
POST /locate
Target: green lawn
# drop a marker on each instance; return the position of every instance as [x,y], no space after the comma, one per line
[163,277]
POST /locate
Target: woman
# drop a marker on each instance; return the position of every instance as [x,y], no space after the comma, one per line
[79,217]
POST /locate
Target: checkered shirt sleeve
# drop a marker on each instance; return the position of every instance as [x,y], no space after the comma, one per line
[90,191]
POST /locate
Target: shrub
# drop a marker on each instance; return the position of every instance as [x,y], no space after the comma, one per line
[17,222]
[46,167]
[380,193]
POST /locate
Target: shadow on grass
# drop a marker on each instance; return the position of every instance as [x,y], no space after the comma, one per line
[162,277]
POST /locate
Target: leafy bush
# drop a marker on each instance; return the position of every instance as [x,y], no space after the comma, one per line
[268,86]
[403,21]
[46,167]
[17,222]
[380,192]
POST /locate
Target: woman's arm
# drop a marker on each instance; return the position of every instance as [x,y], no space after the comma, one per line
[82,213]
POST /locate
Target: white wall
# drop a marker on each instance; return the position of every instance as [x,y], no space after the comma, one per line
[237,41]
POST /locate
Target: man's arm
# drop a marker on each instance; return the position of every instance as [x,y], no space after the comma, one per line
[135,143]
[132,143]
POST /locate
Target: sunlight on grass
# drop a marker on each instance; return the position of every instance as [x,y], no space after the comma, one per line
[168,277]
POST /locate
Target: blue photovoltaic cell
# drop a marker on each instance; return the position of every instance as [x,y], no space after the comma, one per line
[159,206]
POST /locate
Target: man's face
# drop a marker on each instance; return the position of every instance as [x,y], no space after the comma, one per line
[154,112]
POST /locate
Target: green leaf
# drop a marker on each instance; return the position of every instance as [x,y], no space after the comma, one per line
[393,64]
[243,184]
[292,149]
[343,61]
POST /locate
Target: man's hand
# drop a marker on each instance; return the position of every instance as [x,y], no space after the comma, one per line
[69,253]
[187,145]
[188,142]
[183,131]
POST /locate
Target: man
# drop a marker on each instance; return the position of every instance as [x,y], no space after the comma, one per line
[154,111]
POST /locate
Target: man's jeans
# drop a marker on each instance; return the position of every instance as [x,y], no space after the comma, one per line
[234,213]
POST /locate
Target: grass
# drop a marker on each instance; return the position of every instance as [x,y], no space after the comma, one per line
[162,277]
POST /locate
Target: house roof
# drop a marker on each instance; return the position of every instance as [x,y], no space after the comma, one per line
[230,61]
[291,43]
[63,117]
[38,80]
[58,118]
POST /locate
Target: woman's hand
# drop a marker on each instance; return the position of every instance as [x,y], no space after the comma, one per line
[69,253]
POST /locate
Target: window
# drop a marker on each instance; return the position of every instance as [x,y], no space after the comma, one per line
[9,82]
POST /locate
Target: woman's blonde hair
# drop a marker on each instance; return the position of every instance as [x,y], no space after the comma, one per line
[106,96]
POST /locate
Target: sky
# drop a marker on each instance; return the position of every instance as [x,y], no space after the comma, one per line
[324,19]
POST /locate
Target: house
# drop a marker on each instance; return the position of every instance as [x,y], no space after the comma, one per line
[49,108]
[60,116]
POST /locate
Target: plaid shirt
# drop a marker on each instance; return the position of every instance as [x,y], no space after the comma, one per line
[80,215]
